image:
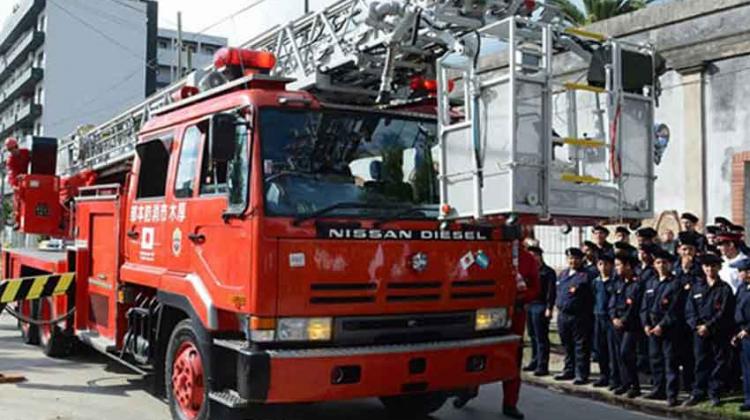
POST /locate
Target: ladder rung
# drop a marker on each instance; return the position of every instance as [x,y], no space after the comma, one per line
[587,88]
[579,179]
[586,34]
[583,142]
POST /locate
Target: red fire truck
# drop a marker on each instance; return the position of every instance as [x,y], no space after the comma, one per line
[253,244]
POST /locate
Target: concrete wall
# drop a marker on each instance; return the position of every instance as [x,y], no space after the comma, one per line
[727,104]
[94,69]
[670,185]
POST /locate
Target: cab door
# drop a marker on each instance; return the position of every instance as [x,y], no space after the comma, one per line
[205,243]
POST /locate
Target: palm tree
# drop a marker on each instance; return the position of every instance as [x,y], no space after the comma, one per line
[596,10]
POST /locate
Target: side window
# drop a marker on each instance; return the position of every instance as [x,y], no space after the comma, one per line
[188,164]
[152,176]
[215,174]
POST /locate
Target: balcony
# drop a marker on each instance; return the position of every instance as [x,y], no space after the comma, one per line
[24,118]
[29,43]
[19,22]
[24,85]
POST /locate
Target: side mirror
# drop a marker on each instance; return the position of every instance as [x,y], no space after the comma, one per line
[222,133]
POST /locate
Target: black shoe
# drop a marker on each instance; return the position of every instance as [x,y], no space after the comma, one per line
[745,407]
[621,390]
[693,401]
[529,368]
[513,413]
[715,402]
[656,395]
[634,393]
[613,387]
[672,402]
[601,383]
[541,373]
[564,377]
[581,381]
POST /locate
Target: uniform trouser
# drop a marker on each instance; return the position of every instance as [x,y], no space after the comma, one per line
[615,364]
[602,325]
[538,327]
[643,354]
[711,363]
[686,356]
[745,361]
[629,359]
[664,367]
[512,387]
[575,334]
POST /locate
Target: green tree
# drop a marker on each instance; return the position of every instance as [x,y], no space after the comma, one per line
[596,10]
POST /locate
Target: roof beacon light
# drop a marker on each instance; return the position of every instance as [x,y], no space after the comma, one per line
[430,86]
[237,62]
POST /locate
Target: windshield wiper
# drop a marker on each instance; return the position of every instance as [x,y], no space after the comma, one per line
[401,214]
[337,206]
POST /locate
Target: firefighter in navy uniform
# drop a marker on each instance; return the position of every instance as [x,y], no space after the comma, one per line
[539,316]
[646,236]
[709,311]
[604,333]
[661,313]
[624,308]
[600,234]
[591,254]
[689,222]
[687,272]
[622,234]
[646,275]
[575,301]
[741,338]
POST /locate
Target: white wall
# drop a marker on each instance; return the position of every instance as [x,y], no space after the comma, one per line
[727,128]
[669,188]
[90,77]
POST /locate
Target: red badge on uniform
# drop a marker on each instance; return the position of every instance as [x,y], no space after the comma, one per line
[717,305]
[665,302]
[572,290]
[687,286]
[628,301]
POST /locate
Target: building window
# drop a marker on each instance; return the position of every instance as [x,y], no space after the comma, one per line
[39,95]
[163,44]
[42,25]
[38,129]
[209,49]
[40,60]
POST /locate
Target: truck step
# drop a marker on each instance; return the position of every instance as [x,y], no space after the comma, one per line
[229,399]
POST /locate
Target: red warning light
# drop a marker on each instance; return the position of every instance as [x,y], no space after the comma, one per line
[248,60]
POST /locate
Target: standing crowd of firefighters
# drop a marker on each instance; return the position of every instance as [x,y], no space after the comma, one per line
[676,309]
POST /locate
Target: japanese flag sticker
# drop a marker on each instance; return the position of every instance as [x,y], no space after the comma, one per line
[467,260]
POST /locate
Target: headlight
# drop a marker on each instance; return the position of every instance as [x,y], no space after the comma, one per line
[491,319]
[304,329]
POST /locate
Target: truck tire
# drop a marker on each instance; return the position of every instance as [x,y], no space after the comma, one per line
[29,332]
[52,338]
[414,406]
[184,374]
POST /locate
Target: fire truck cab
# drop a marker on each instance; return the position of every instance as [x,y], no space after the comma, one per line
[263,247]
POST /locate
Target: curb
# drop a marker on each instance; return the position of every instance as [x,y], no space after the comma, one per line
[640,404]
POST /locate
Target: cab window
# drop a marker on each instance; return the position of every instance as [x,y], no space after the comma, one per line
[188,163]
[152,175]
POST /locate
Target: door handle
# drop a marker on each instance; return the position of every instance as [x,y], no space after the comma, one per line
[198,238]
[132,234]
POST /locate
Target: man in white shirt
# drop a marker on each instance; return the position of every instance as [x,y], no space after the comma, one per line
[728,244]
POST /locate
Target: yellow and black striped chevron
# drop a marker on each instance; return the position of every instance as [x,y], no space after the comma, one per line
[35,287]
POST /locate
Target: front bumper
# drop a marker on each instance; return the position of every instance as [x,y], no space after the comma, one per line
[293,376]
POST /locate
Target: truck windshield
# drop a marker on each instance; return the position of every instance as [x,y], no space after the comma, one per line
[344,163]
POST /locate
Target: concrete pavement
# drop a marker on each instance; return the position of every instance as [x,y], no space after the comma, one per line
[91,387]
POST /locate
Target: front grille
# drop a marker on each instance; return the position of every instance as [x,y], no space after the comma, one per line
[403,328]
[400,292]
[473,289]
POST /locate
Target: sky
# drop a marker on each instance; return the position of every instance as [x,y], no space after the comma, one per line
[198,15]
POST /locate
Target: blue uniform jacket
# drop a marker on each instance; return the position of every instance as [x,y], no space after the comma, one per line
[548,289]
[603,290]
[742,311]
[712,306]
[662,303]
[574,294]
[625,303]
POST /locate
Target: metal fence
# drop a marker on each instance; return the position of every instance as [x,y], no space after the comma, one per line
[554,243]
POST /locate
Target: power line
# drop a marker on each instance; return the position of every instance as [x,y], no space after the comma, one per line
[102,34]
[231,16]
[129,6]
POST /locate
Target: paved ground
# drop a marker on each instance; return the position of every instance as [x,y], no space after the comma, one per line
[90,387]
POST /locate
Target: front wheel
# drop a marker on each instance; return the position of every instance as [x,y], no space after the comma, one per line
[414,406]
[185,376]
[29,332]
[52,337]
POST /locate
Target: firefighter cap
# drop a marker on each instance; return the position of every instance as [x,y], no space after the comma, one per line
[710,259]
[690,217]
[662,254]
[647,233]
[623,230]
[574,252]
[599,228]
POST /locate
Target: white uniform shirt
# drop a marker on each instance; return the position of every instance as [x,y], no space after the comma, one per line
[730,275]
